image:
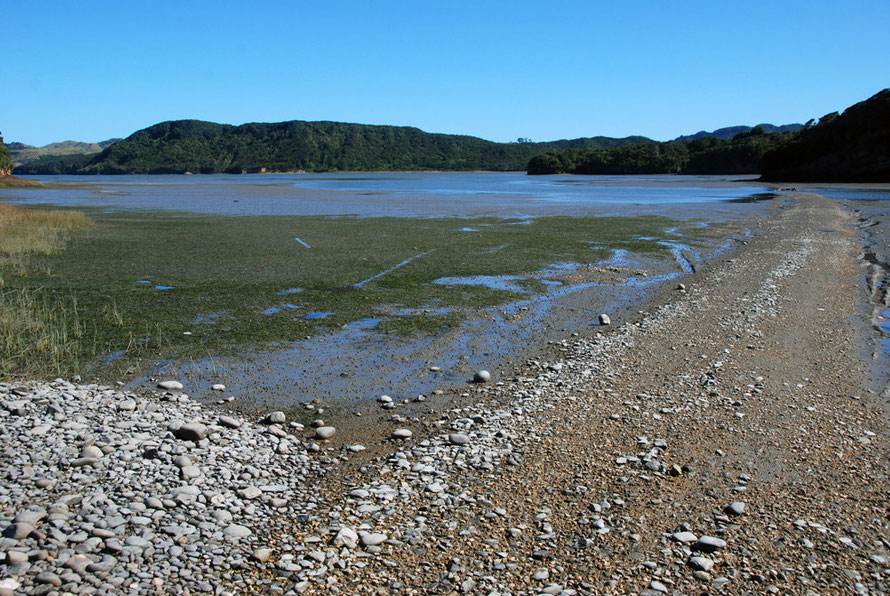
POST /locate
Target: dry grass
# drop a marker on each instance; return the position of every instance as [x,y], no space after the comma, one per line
[36,231]
[36,332]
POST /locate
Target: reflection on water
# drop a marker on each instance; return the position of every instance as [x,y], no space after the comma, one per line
[411,195]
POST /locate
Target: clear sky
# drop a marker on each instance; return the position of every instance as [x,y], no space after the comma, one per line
[90,70]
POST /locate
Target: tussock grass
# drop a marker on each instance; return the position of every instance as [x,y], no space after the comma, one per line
[36,231]
[38,332]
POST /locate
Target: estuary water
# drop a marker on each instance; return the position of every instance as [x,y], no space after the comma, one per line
[358,361]
[399,195]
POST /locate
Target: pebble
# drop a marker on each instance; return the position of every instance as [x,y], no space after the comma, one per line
[276,417]
[701,563]
[481,376]
[709,544]
[218,387]
[325,432]
[193,431]
[401,434]
[237,531]
[684,537]
[604,319]
[229,422]
[458,439]
[372,538]
[735,508]
[170,385]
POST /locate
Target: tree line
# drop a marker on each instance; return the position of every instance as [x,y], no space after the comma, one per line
[178,147]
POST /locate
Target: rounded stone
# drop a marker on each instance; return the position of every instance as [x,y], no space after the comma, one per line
[372,538]
[458,439]
[605,320]
[170,385]
[193,431]
[91,451]
[401,434]
[277,417]
[735,508]
[325,432]
[482,376]
[237,531]
[709,544]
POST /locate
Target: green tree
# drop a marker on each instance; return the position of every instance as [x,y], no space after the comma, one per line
[5,159]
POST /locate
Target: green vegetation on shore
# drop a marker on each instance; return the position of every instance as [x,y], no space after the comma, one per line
[5,159]
[851,147]
[207,148]
[224,273]
[38,332]
[705,155]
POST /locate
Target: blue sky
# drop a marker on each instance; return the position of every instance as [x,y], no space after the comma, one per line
[92,70]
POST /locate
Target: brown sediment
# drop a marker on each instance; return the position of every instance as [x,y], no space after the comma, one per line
[746,387]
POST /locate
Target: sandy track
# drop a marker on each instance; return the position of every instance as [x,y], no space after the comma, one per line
[745,388]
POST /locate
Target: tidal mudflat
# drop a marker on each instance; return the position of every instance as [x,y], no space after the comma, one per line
[352,286]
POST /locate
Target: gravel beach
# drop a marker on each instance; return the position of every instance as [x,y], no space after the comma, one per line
[730,441]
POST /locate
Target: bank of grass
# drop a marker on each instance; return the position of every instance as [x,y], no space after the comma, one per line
[37,331]
[15,182]
[224,272]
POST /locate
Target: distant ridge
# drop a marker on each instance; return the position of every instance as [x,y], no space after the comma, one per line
[851,147]
[22,153]
[729,132]
[198,147]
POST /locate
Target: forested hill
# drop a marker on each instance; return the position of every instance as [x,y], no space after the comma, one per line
[728,133]
[177,147]
[705,155]
[853,146]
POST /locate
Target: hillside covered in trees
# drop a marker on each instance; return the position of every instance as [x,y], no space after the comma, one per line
[704,155]
[852,146]
[5,159]
[177,147]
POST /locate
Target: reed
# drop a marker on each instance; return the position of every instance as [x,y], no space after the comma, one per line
[38,331]
[36,231]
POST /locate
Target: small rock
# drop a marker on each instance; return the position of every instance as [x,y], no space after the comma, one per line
[91,451]
[277,417]
[193,431]
[18,530]
[229,422]
[237,531]
[458,439]
[170,385]
[736,508]
[372,538]
[249,492]
[701,563]
[262,555]
[190,472]
[684,537]
[346,537]
[482,376]
[709,544]
[401,433]
[605,320]
[325,432]
[218,387]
